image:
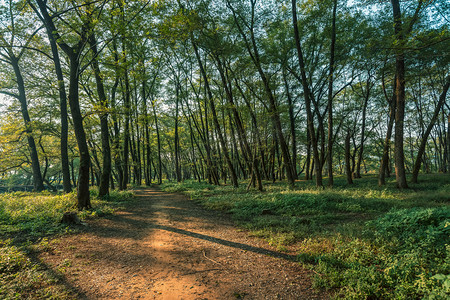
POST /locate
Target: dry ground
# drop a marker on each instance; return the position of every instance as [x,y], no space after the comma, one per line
[164,246]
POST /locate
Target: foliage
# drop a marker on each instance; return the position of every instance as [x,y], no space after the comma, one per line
[363,242]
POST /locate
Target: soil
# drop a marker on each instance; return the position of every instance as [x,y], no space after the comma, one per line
[165,246]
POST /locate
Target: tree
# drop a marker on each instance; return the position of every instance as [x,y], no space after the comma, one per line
[8,55]
[74,55]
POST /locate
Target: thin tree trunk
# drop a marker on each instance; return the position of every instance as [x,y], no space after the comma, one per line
[292,126]
[363,129]
[176,138]
[330,97]
[400,95]
[65,168]
[126,138]
[38,182]
[103,189]
[158,144]
[348,169]
[384,164]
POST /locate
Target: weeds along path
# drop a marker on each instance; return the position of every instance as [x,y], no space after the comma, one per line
[164,246]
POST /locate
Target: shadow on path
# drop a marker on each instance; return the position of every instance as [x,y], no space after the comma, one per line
[228,243]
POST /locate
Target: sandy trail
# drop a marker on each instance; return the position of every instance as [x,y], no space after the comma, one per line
[164,246]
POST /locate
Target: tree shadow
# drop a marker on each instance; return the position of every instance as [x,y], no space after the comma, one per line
[128,226]
[236,245]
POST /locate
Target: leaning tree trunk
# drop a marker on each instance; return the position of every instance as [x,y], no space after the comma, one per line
[73,53]
[240,127]
[252,50]
[292,126]
[37,176]
[176,137]
[126,138]
[428,131]
[63,112]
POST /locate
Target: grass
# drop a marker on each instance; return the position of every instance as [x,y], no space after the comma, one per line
[363,241]
[29,222]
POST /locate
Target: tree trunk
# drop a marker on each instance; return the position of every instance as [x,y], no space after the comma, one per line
[38,182]
[400,95]
[83,196]
[73,53]
[126,138]
[348,169]
[330,98]
[63,111]
[158,144]
[363,129]
[308,155]
[448,143]
[292,126]
[103,189]
[176,138]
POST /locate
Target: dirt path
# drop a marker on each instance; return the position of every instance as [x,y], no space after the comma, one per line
[165,246]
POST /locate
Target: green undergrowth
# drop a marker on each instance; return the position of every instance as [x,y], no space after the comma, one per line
[362,241]
[28,222]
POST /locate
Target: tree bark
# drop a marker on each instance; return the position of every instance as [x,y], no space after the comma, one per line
[292,127]
[176,138]
[158,144]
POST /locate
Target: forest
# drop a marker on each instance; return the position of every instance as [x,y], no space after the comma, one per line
[247,97]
